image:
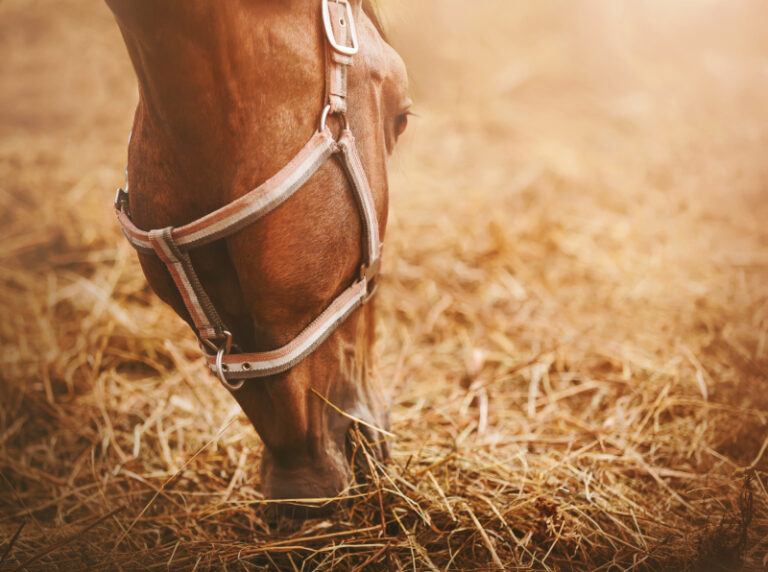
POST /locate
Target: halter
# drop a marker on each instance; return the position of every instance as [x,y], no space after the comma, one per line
[173,244]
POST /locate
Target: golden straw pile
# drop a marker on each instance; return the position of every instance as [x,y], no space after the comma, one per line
[573,325]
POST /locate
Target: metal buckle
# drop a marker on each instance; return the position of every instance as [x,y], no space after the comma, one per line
[350,21]
[220,367]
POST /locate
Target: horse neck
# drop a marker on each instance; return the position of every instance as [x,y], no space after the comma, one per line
[187,61]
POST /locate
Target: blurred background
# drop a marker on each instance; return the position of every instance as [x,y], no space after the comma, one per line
[612,151]
[576,291]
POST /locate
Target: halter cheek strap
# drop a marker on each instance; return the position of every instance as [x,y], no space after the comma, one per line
[339,25]
[172,244]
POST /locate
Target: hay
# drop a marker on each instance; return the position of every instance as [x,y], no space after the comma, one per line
[573,323]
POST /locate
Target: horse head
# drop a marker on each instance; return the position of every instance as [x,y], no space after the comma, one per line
[229,95]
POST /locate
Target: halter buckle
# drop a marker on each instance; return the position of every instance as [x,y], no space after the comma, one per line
[347,20]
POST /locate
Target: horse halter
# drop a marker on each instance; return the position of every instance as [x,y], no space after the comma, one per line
[173,244]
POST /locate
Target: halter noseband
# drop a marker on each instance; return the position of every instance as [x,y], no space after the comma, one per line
[172,244]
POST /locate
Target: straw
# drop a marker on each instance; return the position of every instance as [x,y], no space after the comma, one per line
[572,322]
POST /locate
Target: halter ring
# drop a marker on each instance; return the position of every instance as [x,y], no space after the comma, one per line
[326,112]
[220,367]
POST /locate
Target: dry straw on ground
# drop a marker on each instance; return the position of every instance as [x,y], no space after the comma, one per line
[573,324]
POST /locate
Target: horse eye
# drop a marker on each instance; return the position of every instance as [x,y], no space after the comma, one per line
[401,122]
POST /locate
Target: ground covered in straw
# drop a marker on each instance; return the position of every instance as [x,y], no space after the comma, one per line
[573,324]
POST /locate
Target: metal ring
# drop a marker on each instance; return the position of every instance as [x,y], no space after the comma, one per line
[326,112]
[220,372]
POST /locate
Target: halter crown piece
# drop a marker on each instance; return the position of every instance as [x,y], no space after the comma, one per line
[173,244]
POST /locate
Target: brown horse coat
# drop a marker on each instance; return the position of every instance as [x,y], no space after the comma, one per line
[229,92]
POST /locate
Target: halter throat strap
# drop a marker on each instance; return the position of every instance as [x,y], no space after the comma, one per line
[173,244]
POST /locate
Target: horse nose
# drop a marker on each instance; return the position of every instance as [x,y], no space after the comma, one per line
[308,485]
[313,481]
[313,488]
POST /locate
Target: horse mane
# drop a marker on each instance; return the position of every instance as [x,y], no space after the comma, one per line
[371,10]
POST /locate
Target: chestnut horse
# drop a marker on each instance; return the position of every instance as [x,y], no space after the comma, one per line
[229,93]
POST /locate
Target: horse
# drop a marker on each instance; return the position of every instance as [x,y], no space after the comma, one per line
[246,110]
